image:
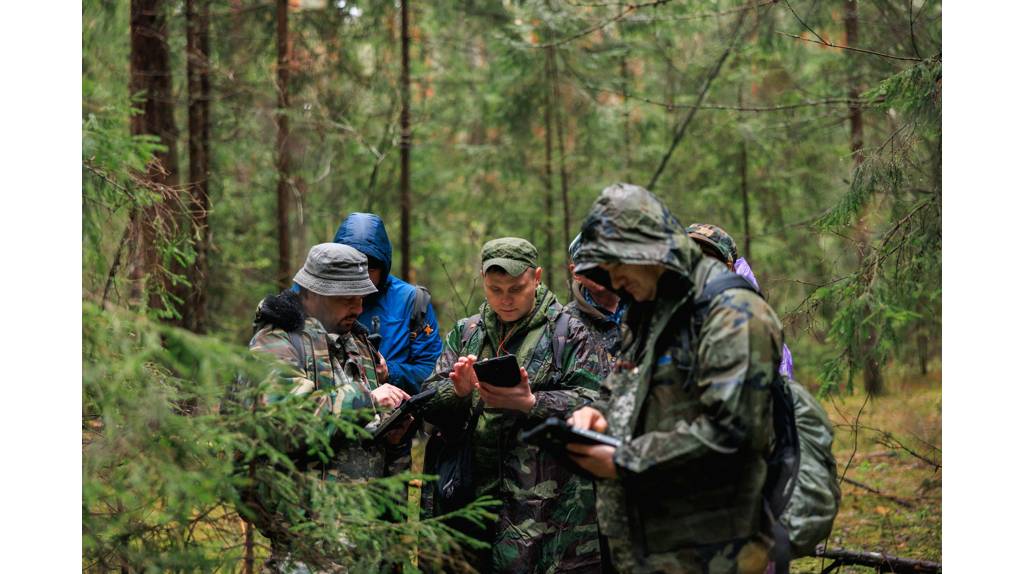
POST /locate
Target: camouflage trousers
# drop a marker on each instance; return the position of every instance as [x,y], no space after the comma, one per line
[746,556]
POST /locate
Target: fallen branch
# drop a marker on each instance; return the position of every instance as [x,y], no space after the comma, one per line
[902,502]
[880,561]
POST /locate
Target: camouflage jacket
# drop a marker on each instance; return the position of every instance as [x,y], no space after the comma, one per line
[601,327]
[547,521]
[341,365]
[695,419]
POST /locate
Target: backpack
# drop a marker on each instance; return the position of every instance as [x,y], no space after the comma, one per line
[809,515]
[418,317]
[784,461]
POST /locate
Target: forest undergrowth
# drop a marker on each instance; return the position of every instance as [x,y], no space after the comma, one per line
[889,453]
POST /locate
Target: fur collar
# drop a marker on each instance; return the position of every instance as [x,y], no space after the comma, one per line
[282,311]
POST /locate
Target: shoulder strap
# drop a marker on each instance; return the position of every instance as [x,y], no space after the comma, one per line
[295,338]
[418,318]
[714,288]
[472,324]
[559,337]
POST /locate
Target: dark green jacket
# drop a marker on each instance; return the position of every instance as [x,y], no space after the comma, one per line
[692,465]
[547,520]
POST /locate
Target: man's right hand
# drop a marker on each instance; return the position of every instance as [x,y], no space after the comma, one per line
[463,376]
[388,396]
[589,418]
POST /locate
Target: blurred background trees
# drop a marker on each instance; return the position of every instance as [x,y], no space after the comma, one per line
[811,131]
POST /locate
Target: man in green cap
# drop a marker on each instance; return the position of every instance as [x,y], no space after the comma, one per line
[321,347]
[690,397]
[546,521]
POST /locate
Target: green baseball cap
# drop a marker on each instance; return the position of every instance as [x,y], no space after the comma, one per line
[513,254]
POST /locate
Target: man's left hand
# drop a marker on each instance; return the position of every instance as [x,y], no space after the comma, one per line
[517,398]
[597,459]
[395,435]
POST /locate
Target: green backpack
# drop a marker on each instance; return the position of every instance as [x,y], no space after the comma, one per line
[813,507]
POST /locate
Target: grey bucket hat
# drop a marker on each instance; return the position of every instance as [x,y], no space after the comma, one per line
[332,269]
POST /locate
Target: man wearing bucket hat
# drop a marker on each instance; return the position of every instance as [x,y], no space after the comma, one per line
[316,333]
[546,522]
[321,347]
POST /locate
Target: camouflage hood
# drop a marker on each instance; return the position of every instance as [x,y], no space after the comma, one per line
[628,224]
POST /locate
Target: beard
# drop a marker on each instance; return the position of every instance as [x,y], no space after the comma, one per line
[345,325]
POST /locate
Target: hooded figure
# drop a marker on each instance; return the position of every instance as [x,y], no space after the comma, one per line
[399,313]
[683,493]
[717,243]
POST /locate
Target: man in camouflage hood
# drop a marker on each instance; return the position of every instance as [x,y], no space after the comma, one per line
[547,518]
[691,404]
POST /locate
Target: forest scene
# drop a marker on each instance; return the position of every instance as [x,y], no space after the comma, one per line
[223,139]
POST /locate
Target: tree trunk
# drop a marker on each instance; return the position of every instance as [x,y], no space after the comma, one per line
[198,49]
[284,250]
[151,76]
[624,89]
[874,383]
[556,97]
[549,178]
[744,189]
[405,145]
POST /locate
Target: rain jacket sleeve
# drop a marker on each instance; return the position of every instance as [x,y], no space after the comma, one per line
[735,365]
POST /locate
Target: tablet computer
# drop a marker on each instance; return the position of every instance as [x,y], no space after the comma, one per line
[410,406]
[554,434]
[499,371]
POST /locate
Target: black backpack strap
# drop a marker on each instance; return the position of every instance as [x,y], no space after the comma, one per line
[714,288]
[559,338]
[418,317]
[472,324]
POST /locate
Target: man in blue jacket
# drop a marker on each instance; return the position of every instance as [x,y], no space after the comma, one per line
[400,313]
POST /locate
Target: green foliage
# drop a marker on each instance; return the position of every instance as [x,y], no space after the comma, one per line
[173,453]
[847,254]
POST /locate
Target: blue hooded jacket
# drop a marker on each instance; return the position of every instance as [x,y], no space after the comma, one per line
[410,356]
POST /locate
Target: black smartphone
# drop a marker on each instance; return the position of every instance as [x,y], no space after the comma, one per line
[554,434]
[410,406]
[499,371]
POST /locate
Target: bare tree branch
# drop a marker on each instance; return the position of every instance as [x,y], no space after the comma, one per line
[851,48]
[626,10]
[680,130]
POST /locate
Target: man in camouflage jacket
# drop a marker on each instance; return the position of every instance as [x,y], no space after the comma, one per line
[684,491]
[547,518]
[321,347]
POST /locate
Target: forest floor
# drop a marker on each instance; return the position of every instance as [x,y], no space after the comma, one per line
[893,447]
